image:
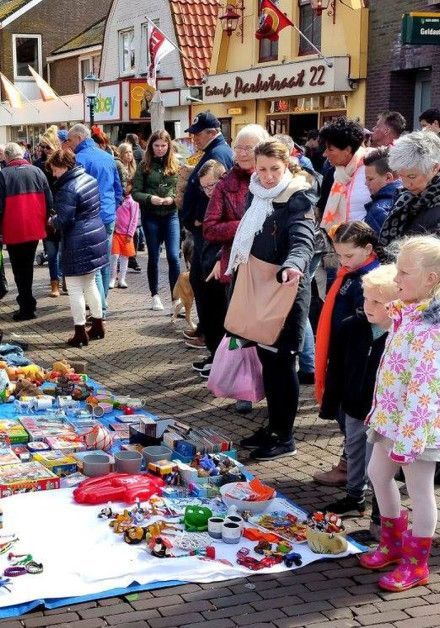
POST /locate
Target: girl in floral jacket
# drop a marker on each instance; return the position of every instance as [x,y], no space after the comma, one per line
[405,418]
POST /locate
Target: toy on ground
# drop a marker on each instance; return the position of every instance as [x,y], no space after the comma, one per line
[285,524]
[252,563]
[117,487]
[98,438]
[25,388]
[196,518]
[292,558]
[326,533]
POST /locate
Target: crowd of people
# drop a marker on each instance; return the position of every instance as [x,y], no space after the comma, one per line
[260,218]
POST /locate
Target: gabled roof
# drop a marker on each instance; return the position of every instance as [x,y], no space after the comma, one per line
[8,7]
[194,24]
[92,36]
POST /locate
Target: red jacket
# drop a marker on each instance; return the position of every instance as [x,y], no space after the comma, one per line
[225,210]
[25,200]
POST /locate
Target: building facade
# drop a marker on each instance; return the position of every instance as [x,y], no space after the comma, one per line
[407,77]
[284,85]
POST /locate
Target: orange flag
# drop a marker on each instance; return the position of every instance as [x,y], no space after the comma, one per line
[272,21]
[46,91]
[12,94]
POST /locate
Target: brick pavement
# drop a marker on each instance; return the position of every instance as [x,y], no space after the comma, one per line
[143,354]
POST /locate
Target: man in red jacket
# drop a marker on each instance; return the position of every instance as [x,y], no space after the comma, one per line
[25,200]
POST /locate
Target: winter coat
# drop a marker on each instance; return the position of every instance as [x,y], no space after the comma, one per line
[380,205]
[413,214]
[52,235]
[25,202]
[155,183]
[407,396]
[225,210]
[83,235]
[195,200]
[351,374]
[102,167]
[287,240]
[127,216]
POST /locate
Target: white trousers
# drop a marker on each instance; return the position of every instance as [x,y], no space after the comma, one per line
[83,289]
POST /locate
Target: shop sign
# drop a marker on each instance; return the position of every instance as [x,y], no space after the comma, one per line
[289,79]
[419,28]
[139,95]
[107,104]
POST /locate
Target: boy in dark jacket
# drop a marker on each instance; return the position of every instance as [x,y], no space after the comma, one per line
[351,375]
[382,186]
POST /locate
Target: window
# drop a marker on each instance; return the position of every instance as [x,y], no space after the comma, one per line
[268,50]
[88,65]
[26,51]
[127,57]
[310,25]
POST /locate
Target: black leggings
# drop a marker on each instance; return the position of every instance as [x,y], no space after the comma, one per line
[282,390]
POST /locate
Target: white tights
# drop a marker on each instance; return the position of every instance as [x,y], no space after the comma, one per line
[123,265]
[419,478]
[82,289]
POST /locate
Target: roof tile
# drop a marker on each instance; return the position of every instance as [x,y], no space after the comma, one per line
[194,24]
[8,7]
[92,36]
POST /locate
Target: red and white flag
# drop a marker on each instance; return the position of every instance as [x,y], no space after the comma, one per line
[158,47]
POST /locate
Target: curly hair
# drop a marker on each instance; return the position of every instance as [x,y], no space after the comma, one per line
[342,133]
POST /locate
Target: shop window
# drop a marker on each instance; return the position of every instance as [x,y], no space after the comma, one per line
[268,50]
[26,51]
[310,25]
[127,56]
[277,125]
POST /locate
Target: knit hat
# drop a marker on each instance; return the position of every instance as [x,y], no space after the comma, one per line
[50,137]
[63,135]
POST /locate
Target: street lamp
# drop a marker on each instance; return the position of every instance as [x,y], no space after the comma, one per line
[231,18]
[91,84]
[319,6]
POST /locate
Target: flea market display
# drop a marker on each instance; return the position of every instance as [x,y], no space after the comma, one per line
[140,500]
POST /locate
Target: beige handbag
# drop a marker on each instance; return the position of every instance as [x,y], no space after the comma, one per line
[260,304]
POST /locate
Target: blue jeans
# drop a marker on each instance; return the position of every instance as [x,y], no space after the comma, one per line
[358,452]
[103,274]
[53,252]
[307,355]
[160,229]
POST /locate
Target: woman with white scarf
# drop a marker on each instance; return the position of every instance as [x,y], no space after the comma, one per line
[278,228]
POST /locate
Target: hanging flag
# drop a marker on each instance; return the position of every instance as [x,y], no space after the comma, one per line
[12,94]
[46,91]
[272,21]
[158,47]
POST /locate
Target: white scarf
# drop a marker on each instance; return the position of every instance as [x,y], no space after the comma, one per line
[254,218]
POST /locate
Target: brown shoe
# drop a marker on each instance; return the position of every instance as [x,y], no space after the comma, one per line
[80,339]
[96,331]
[55,288]
[337,476]
[196,343]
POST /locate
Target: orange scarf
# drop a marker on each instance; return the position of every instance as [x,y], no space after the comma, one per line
[323,332]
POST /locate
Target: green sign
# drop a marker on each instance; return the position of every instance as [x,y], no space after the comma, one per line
[419,28]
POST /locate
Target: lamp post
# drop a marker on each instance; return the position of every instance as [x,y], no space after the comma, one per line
[234,14]
[91,84]
[319,6]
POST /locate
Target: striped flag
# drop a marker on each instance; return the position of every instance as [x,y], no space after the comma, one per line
[158,47]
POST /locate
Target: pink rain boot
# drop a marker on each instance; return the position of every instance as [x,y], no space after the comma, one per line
[389,550]
[413,570]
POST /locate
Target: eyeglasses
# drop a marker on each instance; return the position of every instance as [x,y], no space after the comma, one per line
[244,149]
[208,188]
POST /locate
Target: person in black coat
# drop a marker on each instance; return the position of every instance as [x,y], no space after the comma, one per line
[278,228]
[84,237]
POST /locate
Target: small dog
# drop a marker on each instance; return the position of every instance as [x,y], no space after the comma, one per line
[184,295]
[187,248]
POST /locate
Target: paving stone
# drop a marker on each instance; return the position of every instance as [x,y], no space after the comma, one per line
[230,611]
[171,622]
[381,618]
[202,605]
[50,620]
[133,616]
[156,602]
[98,622]
[215,623]
[268,615]
[305,620]
[106,611]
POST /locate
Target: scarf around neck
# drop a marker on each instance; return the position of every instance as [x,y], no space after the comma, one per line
[253,220]
[337,209]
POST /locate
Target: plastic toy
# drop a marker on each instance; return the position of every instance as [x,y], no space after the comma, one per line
[249,562]
[196,518]
[117,487]
[292,558]
[160,547]
[98,438]
[4,584]
[326,533]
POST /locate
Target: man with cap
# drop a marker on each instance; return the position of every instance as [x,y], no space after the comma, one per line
[208,138]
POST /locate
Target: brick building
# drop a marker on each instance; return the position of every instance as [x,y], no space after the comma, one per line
[405,78]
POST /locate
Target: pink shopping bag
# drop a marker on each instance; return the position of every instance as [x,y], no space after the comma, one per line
[236,373]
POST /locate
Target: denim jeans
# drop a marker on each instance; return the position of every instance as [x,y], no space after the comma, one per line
[307,355]
[358,452]
[103,274]
[53,252]
[160,229]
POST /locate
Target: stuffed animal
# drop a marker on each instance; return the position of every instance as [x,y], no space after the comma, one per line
[25,388]
[62,367]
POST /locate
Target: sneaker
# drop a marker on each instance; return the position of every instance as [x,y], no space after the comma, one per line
[156,303]
[306,379]
[196,343]
[123,284]
[203,365]
[111,284]
[274,449]
[205,374]
[243,407]
[189,334]
[337,476]
[255,440]
[347,507]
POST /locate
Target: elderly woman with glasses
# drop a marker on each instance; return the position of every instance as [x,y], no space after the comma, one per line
[416,160]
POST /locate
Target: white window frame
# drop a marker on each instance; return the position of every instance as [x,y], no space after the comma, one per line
[16,36]
[130,71]
[91,58]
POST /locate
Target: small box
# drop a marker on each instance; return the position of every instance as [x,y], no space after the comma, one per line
[58,462]
[14,431]
[162,467]
[67,445]
[26,478]
[7,456]
[37,446]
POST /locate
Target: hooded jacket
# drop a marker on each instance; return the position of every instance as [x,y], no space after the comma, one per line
[381,204]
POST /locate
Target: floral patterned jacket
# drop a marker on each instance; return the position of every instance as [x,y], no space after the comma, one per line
[406,403]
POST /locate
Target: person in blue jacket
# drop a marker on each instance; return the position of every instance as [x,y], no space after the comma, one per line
[83,240]
[208,138]
[383,188]
[102,167]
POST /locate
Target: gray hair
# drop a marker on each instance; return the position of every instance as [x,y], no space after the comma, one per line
[256,131]
[419,151]
[81,130]
[13,151]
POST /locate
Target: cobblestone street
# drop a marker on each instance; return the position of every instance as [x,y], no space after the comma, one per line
[143,354]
